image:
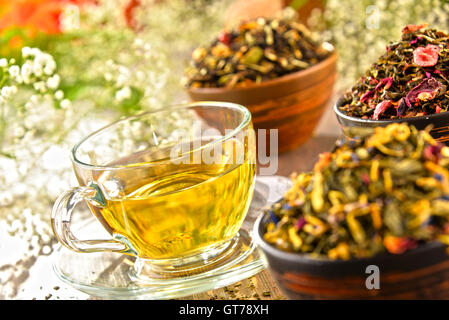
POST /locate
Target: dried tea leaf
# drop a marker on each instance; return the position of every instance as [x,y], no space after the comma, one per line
[410,79]
[260,49]
[386,191]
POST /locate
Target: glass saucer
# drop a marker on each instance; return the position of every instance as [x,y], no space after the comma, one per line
[116,276]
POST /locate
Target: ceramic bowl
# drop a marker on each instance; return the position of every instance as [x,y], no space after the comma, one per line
[293,103]
[421,273]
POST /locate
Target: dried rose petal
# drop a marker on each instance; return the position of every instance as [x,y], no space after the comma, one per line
[381,107]
[438,109]
[365,178]
[426,56]
[413,27]
[300,223]
[387,82]
[428,85]
[432,153]
[366,96]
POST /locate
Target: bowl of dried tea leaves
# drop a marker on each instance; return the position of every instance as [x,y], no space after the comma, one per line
[409,83]
[275,67]
[370,221]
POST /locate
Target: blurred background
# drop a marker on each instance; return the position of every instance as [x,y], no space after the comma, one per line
[68,67]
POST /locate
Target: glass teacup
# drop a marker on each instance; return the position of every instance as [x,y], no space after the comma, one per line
[172,187]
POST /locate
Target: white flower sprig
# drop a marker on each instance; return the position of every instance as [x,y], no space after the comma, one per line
[37,71]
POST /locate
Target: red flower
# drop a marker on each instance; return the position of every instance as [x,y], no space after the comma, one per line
[426,56]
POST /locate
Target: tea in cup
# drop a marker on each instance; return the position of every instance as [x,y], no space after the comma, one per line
[172,187]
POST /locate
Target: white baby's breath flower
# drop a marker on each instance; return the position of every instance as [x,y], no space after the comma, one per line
[3,63]
[108,76]
[121,80]
[140,75]
[40,86]
[37,68]
[35,52]
[123,94]
[53,82]
[50,67]
[6,92]
[26,71]
[19,79]
[19,131]
[26,52]
[59,95]
[124,70]
[14,71]
[65,103]
[138,42]
[34,99]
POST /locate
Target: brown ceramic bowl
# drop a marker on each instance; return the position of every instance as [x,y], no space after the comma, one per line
[293,103]
[421,273]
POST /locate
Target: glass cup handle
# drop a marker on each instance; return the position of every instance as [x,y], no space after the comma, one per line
[61,218]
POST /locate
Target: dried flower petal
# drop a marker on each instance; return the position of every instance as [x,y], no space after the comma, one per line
[380,108]
[433,152]
[367,96]
[398,245]
[413,28]
[430,86]
[426,56]
[225,38]
[385,83]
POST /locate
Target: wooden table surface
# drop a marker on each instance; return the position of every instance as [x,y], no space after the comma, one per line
[262,286]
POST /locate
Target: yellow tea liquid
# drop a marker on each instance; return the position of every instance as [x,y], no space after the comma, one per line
[169,210]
